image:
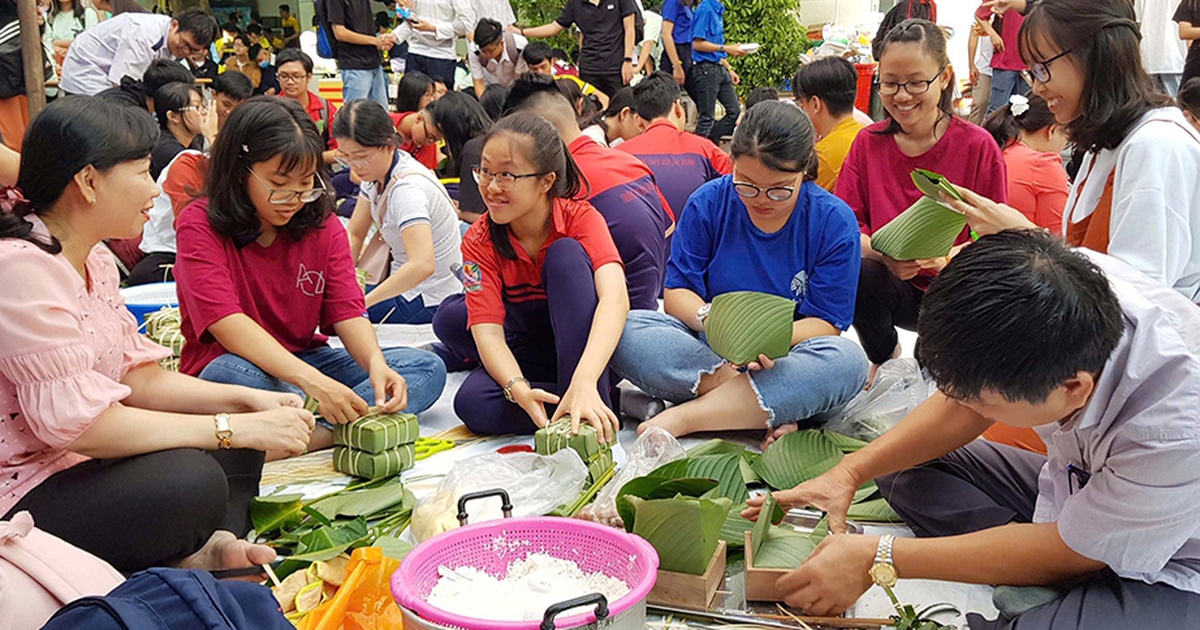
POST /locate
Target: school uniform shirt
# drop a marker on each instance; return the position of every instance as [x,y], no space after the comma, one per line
[499,10]
[291,288]
[427,155]
[64,26]
[673,11]
[123,45]
[681,161]
[1037,185]
[451,19]
[491,282]
[356,16]
[1189,11]
[502,71]
[813,259]
[603,27]
[708,24]
[1138,440]
[412,199]
[1140,202]
[622,188]
[323,113]
[66,349]
[832,150]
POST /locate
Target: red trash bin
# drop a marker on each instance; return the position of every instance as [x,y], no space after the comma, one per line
[866,77]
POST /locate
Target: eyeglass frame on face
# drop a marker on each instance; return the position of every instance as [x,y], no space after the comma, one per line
[356,163]
[288,78]
[738,188]
[501,178]
[291,194]
[187,45]
[896,86]
[1031,75]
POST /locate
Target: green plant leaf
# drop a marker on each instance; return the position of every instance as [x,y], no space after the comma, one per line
[783,548]
[276,513]
[874,511]
[865,493]
[796,458]
[845,443]
[820,531]
[745,324]
[725,469]
[933,184]
[733,532]
[716,447]
[927,229]
[366,502]
[683,530]
[392,547]
[654,487]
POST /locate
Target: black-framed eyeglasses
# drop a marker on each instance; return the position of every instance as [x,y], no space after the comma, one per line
[504,179]
[1040,71]
[746,190]
[889,88]
[281,197]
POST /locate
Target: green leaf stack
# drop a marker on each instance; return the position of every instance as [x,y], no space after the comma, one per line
[744,324]
[557,436]
[376,446]
[928,228]
[681,518]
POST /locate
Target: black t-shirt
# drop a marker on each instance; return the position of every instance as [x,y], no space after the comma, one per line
[469,199]
[1189,11]
[356,16]
[166,149]
[603,28]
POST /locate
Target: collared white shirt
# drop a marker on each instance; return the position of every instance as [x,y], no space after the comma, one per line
[1139,440]
[499,10]
[504,70]
[124,45]
[451,19]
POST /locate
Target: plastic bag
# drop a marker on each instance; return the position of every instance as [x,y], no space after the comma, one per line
[899,387]
[536,485]
[652,449]
[364,601]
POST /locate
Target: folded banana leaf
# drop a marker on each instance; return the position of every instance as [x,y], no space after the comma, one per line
[377,433]
[928,228]
[683,529]
[556,436]
[744,324]
[932,184]
[366,465]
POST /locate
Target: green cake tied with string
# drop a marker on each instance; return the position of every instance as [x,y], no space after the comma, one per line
[557,436]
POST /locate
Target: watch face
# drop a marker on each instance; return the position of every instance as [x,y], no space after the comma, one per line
[883,574]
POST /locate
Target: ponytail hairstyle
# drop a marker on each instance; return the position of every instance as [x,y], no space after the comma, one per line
[539,142]
[933,43]
[780,136]
[68,136]
[1104,41]
[1029,114]
[367,123]
[460,118]
[257,131]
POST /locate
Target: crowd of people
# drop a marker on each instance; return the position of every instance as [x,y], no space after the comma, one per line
[562,230]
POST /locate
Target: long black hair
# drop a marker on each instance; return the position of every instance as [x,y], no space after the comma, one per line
[367,123]
[1006,127]
[540,143]
[173,97]
[933,43]
[460,118]
[1103,36]
[76,7]
[780,136]
[413,86]
[257,131]
[68,136]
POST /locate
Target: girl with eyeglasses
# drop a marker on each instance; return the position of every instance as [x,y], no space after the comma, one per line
[263,264]
[544,290]
[416,90]
[1137,194]
[414,215]
[186,121]
[766,228]
[916,85]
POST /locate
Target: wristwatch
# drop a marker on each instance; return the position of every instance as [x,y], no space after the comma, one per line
[223,430]
[509,385]
[702,314]
[883,572]
[629,60]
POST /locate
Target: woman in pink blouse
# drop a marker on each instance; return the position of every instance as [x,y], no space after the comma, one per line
[106,450]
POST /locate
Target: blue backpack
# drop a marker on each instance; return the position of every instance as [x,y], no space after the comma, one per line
[175,599]
[326,43]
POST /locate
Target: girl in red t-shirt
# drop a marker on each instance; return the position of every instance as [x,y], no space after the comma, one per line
[264,263]
[545,299]
[416,90]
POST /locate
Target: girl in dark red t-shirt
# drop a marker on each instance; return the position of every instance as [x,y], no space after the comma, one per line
[545,299]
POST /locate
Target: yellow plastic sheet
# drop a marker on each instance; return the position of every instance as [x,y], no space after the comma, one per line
[364,601]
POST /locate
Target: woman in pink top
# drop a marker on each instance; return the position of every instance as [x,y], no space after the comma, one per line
[921,131]
[1037,182]
[102,446]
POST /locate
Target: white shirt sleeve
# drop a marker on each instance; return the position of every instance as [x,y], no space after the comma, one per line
[407,205]
[132,58]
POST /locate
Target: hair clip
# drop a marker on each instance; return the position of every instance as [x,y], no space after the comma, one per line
[1018,105]
[12,199]
[245,149]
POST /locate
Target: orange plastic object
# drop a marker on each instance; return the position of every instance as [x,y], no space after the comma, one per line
[364,601]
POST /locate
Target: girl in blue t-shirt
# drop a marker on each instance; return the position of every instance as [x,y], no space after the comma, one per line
[766,228]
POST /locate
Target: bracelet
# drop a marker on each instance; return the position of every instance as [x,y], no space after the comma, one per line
[509,385]
[223,431]
[522,29]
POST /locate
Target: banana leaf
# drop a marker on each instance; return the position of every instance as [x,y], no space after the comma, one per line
[726,469]
[867,492]
[276,513]
[683,530]
[366,502]
[744,324]
[820,531]
[722,447]
[874,511]
[392,547]
[783,548]
[846,443]
[733,532]
[932,184]
[660,488]
[325,543]
[796,458]
[927,229]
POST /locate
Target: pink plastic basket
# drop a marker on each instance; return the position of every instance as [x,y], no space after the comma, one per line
[492,546]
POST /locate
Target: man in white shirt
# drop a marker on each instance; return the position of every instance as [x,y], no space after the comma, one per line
[496,56]
[126,44]
[432,34]
[1104,363]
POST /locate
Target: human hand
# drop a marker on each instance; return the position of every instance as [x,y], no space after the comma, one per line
[421,25]
[261,400]
[734,50]
[513,28]
[336,402]
[533,401]
[833,577]
[986,216]
[208,120]
[583,403]
[680,75]
[974,75]
[391,390]
[999,7]
[902,269]
[411,4]
[733,76]
[627,72]
[285,429]
[832,493]
[997,43]
[763,363]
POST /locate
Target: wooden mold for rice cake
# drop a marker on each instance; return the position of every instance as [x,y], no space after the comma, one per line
[760,583]
[690,591]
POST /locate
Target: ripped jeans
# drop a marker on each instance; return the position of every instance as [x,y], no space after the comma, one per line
[666,359]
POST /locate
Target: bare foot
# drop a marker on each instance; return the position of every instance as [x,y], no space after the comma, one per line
[670,420]
[226,551]
[779,432]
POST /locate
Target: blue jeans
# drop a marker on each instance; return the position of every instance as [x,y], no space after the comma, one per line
[1005,83]
[712,83]
[398,310]
[360,84]
[666,359]
[423,371]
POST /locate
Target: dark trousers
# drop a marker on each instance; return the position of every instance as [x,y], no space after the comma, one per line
[440,69]
[547,339]
[713,84]
[149,510]
[685,59]
[884,302]
[984,485]
[607,82]
[154,267]
[398,310]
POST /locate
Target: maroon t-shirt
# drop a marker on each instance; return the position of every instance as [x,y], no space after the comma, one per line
[291,288]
